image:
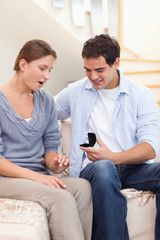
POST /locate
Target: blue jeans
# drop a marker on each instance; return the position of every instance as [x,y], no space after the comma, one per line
[109,205]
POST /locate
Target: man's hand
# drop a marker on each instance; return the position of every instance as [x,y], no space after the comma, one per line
[95,154]
[138,154]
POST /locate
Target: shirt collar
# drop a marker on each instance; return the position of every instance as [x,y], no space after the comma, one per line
[124,84]
[89,85]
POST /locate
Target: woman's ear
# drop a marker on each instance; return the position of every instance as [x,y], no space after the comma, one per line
[22,64]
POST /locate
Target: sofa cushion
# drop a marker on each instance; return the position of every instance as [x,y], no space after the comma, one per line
[141,214]
[16,231]
[24,212]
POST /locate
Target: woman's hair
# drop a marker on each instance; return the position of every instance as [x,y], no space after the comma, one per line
[33,50]
[102,45]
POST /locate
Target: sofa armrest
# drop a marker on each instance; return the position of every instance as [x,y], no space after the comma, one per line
[27,213]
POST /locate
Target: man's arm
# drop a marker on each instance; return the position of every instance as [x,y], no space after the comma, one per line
[138,154]
[62,105]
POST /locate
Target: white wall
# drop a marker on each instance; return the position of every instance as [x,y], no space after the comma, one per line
[22,20]
[142,27]
[64,17]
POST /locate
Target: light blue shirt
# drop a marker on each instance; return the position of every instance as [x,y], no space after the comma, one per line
[136,117]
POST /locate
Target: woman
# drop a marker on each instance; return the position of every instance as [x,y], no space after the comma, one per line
[29,139]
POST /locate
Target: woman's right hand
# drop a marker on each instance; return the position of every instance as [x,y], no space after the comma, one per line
[49,180]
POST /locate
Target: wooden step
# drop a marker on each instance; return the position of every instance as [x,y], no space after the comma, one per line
[153,86]
[142,72]
[139,60]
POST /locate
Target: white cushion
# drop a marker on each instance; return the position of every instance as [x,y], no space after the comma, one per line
[24,213]
[15,231]
[141,214]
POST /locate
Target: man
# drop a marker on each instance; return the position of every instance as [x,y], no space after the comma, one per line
[124,117]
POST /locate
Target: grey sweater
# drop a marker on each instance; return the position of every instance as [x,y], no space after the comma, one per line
[24,143]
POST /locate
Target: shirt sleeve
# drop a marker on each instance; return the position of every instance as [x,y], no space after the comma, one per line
[62,104]
[148,128]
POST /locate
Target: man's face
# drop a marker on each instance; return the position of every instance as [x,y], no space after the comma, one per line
[101,75]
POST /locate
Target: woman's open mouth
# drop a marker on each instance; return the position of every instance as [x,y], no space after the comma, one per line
[41,83]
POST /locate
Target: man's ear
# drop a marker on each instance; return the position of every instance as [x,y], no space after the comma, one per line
[22,64]
[117,62]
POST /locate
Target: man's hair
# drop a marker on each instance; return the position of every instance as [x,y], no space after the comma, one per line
[102,45]
[33,50]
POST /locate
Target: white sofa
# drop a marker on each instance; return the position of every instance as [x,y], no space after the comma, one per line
[24,220]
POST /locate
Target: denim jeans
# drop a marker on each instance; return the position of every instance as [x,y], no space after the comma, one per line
[109,205]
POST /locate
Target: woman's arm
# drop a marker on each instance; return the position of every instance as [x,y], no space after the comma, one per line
[9,169]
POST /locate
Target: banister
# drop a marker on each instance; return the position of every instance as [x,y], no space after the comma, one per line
[139,60]
[142,72]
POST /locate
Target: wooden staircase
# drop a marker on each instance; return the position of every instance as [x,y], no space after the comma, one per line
[144,71]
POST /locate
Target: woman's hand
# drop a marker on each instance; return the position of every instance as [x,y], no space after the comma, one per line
[57,163]
[49,180]
[10,169]
[60,163]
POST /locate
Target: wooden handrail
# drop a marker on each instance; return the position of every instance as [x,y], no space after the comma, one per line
[120,26]
[142,72]
[139,60]
[153,86]
[130,51]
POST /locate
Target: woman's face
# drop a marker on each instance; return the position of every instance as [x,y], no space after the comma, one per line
[37,72]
